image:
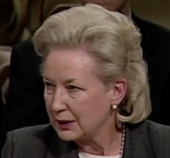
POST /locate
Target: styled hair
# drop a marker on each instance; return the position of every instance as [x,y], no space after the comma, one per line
[114,42]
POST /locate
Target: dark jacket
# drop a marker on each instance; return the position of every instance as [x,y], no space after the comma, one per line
[156,53]
[144,140]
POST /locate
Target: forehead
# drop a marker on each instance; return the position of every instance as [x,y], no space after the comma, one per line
[66,62]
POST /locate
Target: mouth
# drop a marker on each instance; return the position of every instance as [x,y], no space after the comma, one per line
[65,124]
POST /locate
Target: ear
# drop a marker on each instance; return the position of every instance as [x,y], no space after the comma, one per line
[118,91]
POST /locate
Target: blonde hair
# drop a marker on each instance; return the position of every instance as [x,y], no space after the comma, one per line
[113,41]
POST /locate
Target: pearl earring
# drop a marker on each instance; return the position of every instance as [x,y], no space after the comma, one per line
[114,107]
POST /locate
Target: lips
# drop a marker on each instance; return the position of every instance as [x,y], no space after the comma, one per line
[64,121]
[65,124]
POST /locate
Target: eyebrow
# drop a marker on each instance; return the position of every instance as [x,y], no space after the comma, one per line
[70,80]
[45,78]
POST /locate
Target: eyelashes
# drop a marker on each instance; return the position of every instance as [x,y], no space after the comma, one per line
[50,88]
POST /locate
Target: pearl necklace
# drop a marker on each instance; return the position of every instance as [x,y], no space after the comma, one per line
[122,141]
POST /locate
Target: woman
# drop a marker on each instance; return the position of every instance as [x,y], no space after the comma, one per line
[96,91]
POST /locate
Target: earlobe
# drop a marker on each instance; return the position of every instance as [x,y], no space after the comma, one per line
[119,91]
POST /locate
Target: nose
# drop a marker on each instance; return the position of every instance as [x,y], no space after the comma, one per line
[59,101]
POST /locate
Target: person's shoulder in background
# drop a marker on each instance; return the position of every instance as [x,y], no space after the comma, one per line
[151,30]
[26,48]
[156,52]
[25,104]
[25,92]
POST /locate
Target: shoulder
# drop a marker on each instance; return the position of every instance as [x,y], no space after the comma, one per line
[149,127]
[154,131]
[154,128]
[151,138]
[28,133]
[26,50]
[152,30]
[158,132]
[158,137]
[25,140]
[26,45]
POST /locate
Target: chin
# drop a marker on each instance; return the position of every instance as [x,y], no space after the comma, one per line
[68,135]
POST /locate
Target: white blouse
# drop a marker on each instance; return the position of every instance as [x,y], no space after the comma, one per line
[86,155]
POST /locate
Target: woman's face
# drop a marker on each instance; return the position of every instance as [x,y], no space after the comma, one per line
[77,101]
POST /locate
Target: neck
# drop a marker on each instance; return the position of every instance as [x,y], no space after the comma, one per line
[126,10]
[102,143]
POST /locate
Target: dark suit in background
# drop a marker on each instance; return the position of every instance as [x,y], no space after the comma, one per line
[25,105]
[156,52]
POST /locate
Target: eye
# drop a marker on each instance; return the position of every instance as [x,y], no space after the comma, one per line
[73,88]
[49,88]
[48,84]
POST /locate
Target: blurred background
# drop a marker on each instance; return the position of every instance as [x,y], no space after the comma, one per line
[157,11]
[19,18]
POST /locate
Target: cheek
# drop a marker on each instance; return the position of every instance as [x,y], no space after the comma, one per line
[97,103]
[91,110]
[48,101]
